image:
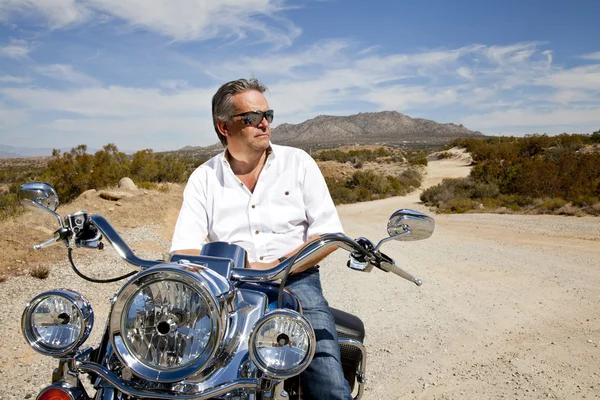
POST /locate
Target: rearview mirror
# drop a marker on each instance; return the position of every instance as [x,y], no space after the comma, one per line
[39,196]
[419,225]
[407,226]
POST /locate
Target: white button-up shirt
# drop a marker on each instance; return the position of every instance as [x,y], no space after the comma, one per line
[290,204]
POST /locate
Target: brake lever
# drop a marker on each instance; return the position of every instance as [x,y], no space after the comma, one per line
[61,234]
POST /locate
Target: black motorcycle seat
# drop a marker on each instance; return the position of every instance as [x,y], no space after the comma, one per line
[348,325]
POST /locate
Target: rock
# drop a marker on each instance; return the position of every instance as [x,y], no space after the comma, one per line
[127,184]
[88,193]
[115,195]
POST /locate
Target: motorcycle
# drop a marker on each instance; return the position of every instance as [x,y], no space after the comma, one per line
[194,327]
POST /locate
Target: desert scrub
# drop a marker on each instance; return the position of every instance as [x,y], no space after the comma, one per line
[40,271]
[369,185]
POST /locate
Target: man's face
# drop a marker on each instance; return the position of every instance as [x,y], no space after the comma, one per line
[242,137]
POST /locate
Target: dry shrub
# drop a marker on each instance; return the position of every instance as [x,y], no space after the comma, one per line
[570,209]
[594,210]
[553,204]
[40,271]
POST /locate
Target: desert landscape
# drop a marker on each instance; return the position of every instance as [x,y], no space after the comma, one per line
[508,307]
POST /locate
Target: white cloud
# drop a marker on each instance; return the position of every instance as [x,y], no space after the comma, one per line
[528,117]
[17,49]
[112,101]
[592,56]
[587,77]
[54,13]
[11,117]
[67,73]
[13,79]
[178,20]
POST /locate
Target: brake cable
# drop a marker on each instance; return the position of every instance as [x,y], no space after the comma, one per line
[87,278]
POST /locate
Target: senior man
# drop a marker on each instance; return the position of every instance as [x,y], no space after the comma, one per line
[270,200]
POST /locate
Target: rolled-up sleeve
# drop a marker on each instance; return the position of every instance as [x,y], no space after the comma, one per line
[191,228]
[321,214]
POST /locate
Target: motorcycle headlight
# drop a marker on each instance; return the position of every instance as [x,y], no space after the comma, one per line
[57,322]
[167,322]
[282,344]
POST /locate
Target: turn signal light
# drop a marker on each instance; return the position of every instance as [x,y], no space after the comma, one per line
[55,394]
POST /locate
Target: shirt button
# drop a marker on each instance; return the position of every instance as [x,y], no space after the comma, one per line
[253,205]
[261,257]
[256,232]
[287,193]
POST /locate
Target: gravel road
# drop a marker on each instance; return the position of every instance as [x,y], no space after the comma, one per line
[509,307]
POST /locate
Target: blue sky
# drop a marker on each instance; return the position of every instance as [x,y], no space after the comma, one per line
[141,73]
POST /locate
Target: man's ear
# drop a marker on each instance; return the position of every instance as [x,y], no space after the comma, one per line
[223,127]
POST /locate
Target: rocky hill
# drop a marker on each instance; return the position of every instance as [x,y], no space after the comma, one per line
[386,127]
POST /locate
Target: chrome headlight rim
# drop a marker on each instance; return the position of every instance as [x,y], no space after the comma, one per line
[84,310]
[201,280]
[297,317]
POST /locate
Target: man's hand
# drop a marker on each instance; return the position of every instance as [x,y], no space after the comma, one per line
[263,266]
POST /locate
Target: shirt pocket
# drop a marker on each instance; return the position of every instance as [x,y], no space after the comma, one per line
[286,209]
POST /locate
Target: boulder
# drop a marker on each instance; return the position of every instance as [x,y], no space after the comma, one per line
[88,194]
[127,184]
[115,195]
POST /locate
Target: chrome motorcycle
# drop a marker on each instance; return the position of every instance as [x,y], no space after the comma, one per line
[195,327]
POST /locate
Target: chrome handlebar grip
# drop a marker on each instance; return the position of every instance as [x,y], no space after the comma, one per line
[393,268]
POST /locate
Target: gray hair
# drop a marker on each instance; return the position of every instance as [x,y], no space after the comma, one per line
[222,106]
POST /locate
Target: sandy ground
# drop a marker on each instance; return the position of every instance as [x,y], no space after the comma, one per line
[509,307]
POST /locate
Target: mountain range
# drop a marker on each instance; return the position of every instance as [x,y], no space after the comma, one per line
[384,128]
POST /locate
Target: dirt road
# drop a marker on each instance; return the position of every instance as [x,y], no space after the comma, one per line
[509,307]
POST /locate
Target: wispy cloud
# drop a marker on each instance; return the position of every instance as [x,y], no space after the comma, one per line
[66,73]
[54,14]
[532,117]
[17,49]
[112,101]
[263,20]
[587,77]
[592,56]
[13,79]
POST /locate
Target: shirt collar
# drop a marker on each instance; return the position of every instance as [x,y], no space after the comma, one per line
[270,154]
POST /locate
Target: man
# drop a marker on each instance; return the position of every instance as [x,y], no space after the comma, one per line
[270,200]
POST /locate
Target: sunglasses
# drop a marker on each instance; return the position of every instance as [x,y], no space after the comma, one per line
[255,117]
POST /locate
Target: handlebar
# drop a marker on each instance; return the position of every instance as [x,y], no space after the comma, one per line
[363,252]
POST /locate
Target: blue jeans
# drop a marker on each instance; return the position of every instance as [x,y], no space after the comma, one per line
[324,378]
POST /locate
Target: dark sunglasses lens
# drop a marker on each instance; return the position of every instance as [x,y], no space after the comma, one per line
[269,116]
[254,118]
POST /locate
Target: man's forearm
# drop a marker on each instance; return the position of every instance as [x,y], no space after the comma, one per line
[191,252]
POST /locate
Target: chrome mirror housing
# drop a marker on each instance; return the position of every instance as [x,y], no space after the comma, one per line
[39,196]
[407,226]
[419,225]
[36,195]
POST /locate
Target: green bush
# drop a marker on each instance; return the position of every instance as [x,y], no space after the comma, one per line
[459,206]
[9,206]
[369,185]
